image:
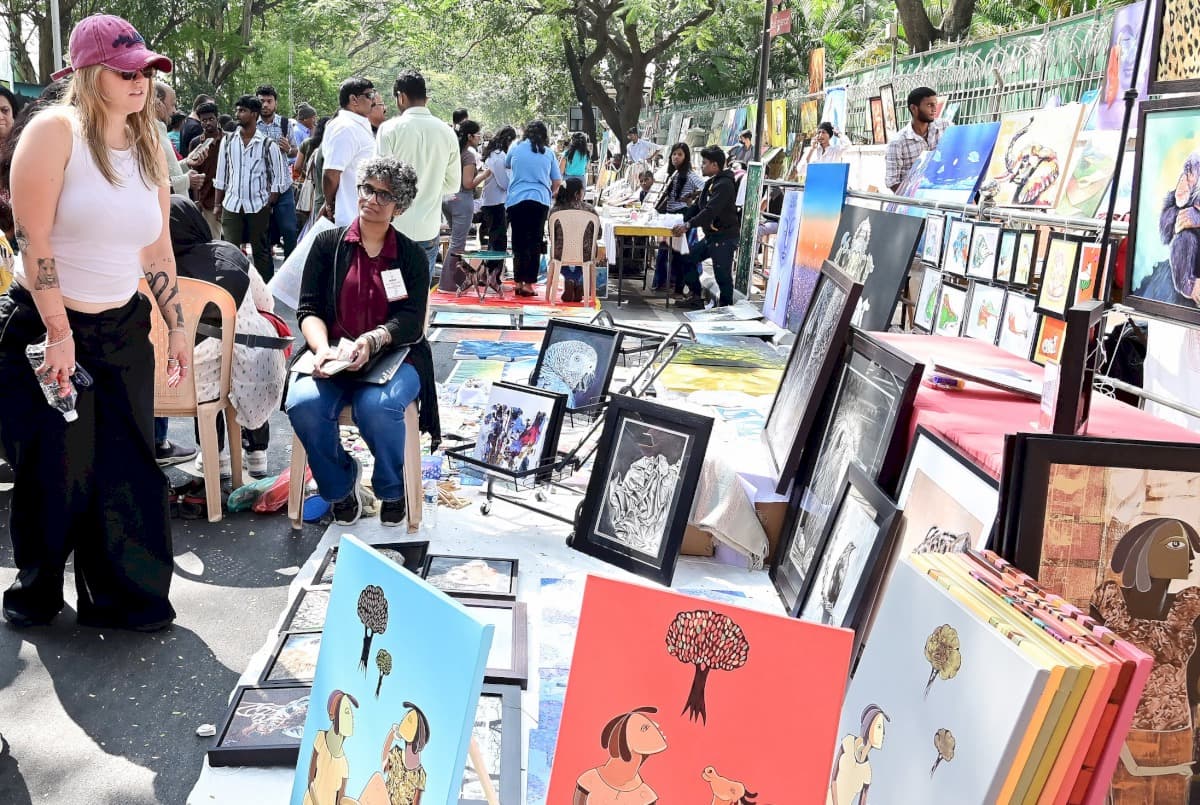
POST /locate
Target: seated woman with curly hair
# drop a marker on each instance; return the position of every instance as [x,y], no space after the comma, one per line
[368,285]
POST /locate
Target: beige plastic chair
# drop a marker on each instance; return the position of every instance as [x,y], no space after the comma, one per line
[182,401]
[573,227]
[413,500]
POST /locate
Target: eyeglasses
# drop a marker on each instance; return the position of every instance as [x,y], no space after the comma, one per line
[129,75]
[365,191]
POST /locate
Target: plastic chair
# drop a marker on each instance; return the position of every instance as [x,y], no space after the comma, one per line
[572,250]
[182,400]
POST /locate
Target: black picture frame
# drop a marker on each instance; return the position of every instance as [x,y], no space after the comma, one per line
[682,432]
[508,788]
[552,428]
[1156,307]
[509,593]
[414,553]
[1014,297]
[1006,267]
[989,261]
[604,370]
[977,291]
[1077,369]
[268,678]
[282,752]
[931,252]
[1153,85]
[814,357]
[517,670]
[950,266]
[289,620]
[871,363]
[1076,243]
[1025,269]
[931,279]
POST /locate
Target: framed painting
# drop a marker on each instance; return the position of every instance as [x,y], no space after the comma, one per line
[1077,370]
[1058,276]
[1110,525]
[811,364]
[931,244]
[820,211]
[1164,272]
[958,248]
[518,430]
[1027,256]
[307,611]
[1049,344]
[475,576]
[888,96]
[927,300]
[779,283]
[662,687]
[263,727]
[508,660]
[878,129]
[984,309]
[640,493]
[409,555]
[1090,173]
[577,359]
[951,311]
[497,733]
[294,660]
[866,421]
[1018,324]
[1048,132]
[855,544]
[1123,70]
[398,680]
[1174,61]
[1006,255]
[985,249]
[1091,279]
[876,248]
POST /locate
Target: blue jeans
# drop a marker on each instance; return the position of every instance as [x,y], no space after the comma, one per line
[283,222]
[431,248]
[314,405]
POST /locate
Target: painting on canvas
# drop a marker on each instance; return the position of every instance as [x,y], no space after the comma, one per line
[985,248]
[1090,174]
[888,96]
[983,312]
[875,248]
[779,283]
[809,112]
[1018,324]
[958,248]
[1120,70]
[1175,61]
[655,704]
[577,360]
[955,167]
[951,311]
[820,210]
[1058,276]
[1032,152]
[927,299]
[397,685]
[878,129]
[518,430]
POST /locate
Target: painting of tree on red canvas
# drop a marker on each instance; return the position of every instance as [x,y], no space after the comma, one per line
[709,641]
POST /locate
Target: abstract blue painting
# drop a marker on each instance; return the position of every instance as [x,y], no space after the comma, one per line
[956,165]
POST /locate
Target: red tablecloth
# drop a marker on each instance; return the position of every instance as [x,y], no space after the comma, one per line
[977,418]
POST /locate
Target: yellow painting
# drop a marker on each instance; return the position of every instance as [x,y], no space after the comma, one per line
[778,123]
[686,378]
[1032,156]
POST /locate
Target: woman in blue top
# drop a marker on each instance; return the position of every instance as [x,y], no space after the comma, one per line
[535,177]
[575,159]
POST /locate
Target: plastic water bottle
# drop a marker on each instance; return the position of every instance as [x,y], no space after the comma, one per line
[429,498]
[36,355]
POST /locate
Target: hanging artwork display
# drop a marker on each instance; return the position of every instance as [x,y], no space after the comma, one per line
[809,114]
[497,733]
[1032,153]
[985,248]
[1111,526]
[983,312]
[652,700]
[475,576]
[396,689]
[820,211]
[867,423]
[1006,258]
[927,300]
[1028,248]
[779,282]
[519,427]
[1058,276]
[1049,344]
[409,555]
[888,96]
[641,488]
[262,728]
[1164,224]
[878,129]
[956,166]
[1174,60]
[779,132]
[1090,279]
[812,362]
[958,248]
[908,727]
[816,71]
[1018,324]
[951,311]
[1120,70]
[577,359]
[1090,174]
[856,541]
[931,243]
[876,248]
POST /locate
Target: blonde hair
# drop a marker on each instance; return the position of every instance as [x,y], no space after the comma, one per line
[83,94]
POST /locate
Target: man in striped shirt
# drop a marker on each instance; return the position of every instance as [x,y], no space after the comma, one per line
[251,173]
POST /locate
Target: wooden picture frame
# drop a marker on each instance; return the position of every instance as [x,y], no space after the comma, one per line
[1059,272]
[890,124]
[493,577]
[878,127]
[507,778]
[815,355]
[604,341]
[412,557]
[271,678]
[516,670]
[247,704]
[656,450]
[299,608]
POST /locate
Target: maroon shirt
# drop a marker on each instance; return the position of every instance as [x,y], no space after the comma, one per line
[363,303]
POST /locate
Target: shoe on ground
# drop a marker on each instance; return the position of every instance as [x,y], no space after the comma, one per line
[392,512]
[169,453]
[256,463]
[225,465]
[695,303]
[347,510]
[24,620]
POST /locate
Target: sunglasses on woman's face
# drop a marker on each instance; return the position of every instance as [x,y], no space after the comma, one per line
[365,191]
[129,75]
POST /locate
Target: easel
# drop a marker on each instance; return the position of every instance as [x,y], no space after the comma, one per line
[481,771]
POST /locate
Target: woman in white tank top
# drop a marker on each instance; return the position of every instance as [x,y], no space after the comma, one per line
[90,201]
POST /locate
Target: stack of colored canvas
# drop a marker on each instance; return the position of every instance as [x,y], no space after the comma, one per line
[976,685]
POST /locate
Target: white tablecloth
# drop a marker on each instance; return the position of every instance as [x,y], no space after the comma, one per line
[609,238]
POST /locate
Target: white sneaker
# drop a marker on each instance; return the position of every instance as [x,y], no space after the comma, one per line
[256,463]
[226,465]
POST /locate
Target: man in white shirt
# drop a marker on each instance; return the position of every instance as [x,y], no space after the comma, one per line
[429,145]
[181,178]
[347,143]
[251,173]
[640,150]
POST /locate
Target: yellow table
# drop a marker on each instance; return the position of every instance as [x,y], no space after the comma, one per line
[629,230]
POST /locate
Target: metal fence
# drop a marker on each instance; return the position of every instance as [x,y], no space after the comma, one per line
[1016,71]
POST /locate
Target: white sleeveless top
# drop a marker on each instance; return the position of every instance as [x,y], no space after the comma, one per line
[99,228]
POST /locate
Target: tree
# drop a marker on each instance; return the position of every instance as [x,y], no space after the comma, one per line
[919,30]
[942,652]
[373,612]
[709,641]
[383,661]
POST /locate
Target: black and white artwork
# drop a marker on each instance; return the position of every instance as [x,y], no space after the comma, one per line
[409,555]
[577,360]
[876,248]
[308,610]
[640,493]
[810,367]
[518,431]
[497,733]
[263,727]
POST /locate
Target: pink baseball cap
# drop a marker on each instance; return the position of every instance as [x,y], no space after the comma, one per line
[112,42]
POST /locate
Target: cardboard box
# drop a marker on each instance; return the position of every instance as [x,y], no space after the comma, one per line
[697,542]
[771,515]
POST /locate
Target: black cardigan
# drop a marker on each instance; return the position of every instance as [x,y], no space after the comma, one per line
[325,270]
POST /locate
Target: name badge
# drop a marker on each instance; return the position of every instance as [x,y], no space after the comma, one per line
[393,285]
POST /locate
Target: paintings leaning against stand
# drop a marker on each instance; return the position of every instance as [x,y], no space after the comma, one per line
[820,210]
[578,360]
[518,431]
[876,248]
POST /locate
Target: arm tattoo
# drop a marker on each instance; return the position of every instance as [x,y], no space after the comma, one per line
[165,289]
[47,274]
[22,239]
